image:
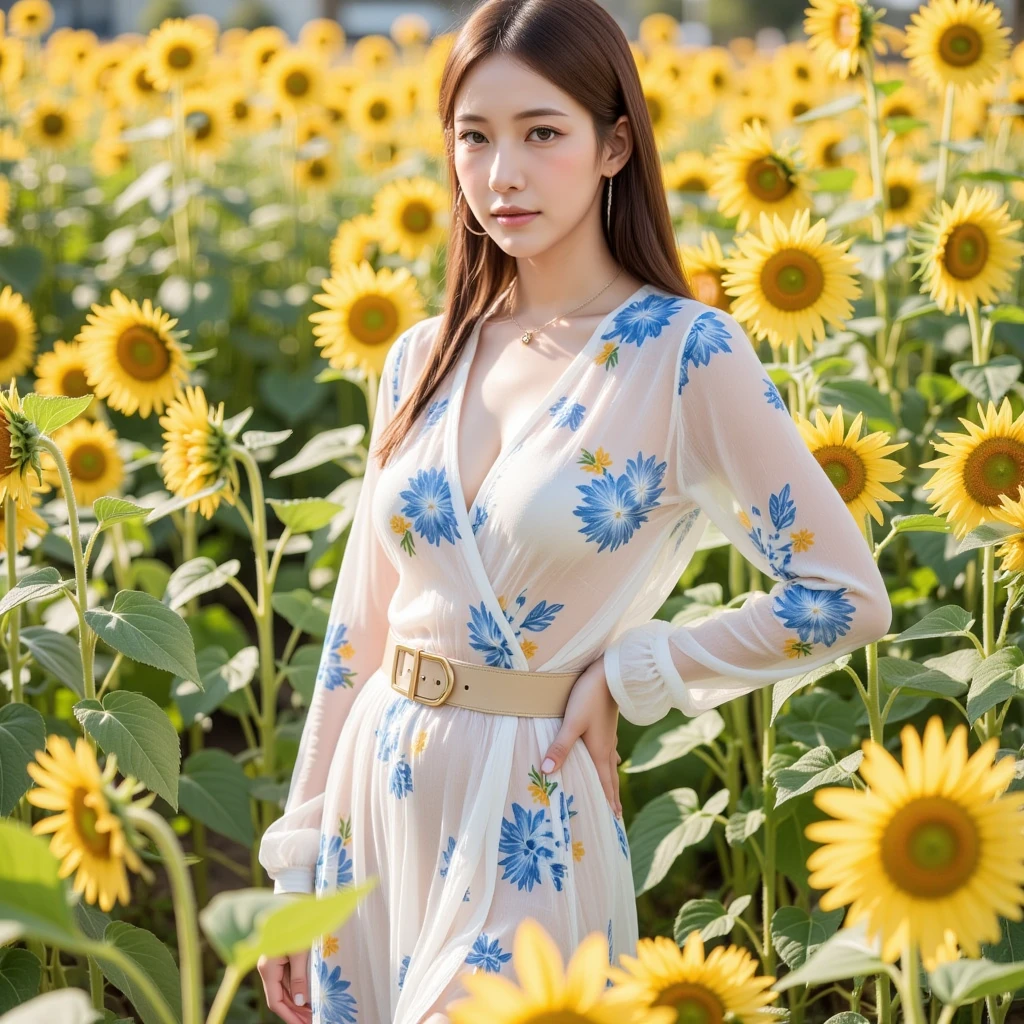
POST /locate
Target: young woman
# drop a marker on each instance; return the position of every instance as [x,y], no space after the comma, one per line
[551,447]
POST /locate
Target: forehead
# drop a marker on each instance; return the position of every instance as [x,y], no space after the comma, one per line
[499,88]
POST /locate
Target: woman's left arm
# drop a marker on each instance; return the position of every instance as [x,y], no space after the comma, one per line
[737,444]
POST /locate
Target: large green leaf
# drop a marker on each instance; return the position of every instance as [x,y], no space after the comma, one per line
[708,916]
[20,972]
[997,678]
[51,412]
[658,748]
[221,677]
[664,828]
[146,630]
[303,610]
[847,954]
[33,586]
[302,669]
[173,503]
[108,511]
[22,733]
[214,789]
[248,923]
[326,446]
[304,515]
[197,576]
[32,896]
[139,732]
[797,935]
[910,677]
[60,1006]
[819,717]
[989,382]
[153,959]
[964,981]
[950,620]
[816,768]
[57,653]
[785,688]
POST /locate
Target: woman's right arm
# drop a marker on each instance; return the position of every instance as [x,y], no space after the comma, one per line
[352,651]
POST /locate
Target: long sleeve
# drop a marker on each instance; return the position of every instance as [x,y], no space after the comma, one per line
[738,445]
[353,649]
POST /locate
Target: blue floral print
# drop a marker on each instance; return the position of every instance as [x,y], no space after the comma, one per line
[333,852]
[773,396]
[401,777]
[613,507]
[485,635]
[487,954]
[403,969]
[333,671]
[479,518]
[388,733]
[683,526]
[778,553]
[707,335]
[538,618]
[621,834]
[446,856]
[570,416]
[522,842]
[608,981]
[818,615]
[644,319]
[330,1002]
[436,410]
[566,812]
[428,502]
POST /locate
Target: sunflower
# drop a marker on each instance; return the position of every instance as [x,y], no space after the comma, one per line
[27,522]
[374,156]
[657,30]
[98,75]
[796,64]
[318,172]
[243,116]
[293,78]
[841,31]
[722,985]
[550,991]
[957,42]
[178,53]
[53,123]
[365,312]
[258,48]
[688,171]
[714,71]
[409,29]
[704,266]
[197,452]
[91,834]
[338,85]
[822,143]
[977,468]
[132,357]
[789,281]
[665,106]
[748,110]
[373,108]
[90,451]
[19,450]
[30,19]
[857,466]
[966,254]
[908,198]
[374,52]
[62,372]
[907,104]
[1011,551]
[315,124]
[324,36]
[18,334]
[752,176]
[794,100]
[134,83]
[66,53]
[356,240]
[207,122]
[930,853]
[411,215]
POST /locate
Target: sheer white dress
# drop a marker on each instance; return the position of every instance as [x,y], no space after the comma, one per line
[580,531]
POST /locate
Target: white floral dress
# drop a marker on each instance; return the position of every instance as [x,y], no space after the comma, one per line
[580,531]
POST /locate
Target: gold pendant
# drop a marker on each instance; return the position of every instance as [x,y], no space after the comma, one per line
[526,337]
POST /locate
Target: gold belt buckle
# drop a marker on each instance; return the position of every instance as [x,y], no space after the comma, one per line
[419,654]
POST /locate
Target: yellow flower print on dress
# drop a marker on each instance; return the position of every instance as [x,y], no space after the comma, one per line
[403,528]
[594,462]
[541,787]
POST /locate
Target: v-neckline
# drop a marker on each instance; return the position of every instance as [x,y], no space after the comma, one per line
[459,388]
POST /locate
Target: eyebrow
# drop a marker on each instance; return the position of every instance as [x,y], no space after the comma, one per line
[521,116]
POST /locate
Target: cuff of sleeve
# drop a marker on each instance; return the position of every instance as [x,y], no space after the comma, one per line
[637,673]
[294,880]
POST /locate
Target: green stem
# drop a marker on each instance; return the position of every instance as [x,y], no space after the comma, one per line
[225,994]
[770,829]
[185,915]
[988,591]
[875,715]
[944,139]
[913,1009]
[14,617]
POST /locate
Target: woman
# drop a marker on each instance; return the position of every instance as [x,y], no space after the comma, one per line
[552,446]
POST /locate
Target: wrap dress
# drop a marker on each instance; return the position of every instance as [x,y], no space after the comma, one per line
[581,529]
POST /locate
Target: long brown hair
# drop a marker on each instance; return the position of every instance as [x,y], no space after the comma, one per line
[576,45]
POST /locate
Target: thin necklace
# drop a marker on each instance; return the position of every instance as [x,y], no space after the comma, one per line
[528,335]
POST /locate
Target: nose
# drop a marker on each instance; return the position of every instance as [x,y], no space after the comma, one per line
[505,173]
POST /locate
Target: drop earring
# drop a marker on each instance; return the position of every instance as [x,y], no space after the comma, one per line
[458,196]
[608,214]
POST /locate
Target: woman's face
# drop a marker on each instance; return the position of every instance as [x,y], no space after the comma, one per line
[522,141]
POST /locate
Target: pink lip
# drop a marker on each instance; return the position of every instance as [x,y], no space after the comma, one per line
[514,219]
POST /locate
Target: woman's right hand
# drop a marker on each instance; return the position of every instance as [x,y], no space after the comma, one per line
[286,986]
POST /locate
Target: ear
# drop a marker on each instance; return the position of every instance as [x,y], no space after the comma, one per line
[618,147]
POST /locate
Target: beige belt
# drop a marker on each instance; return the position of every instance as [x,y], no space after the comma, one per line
[500,691]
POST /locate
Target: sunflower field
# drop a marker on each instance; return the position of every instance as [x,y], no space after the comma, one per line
[209,240]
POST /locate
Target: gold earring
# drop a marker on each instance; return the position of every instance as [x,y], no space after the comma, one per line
[458,196]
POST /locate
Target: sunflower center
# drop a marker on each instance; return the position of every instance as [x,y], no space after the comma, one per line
[966,251]
[240,110]
[993,468]
[555,1017]
[792,280]
[53,124]
[317,169]
[85,824]
[297,84]
[74,384]
[416,217]
[931,847]
[7,462]
[179,58]
[899,196]
[87,462]
[205,127]
[694,184]
[846,27]
[767,181]
[798,108]
[694,1004]
[844,469]
[654,109]
[142,354]
[142,82]
[960,46]
[8,338]
[829,156]
[373,320]
[378,111]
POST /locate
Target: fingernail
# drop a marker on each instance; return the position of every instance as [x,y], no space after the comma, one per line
[547,766]
[300,999]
